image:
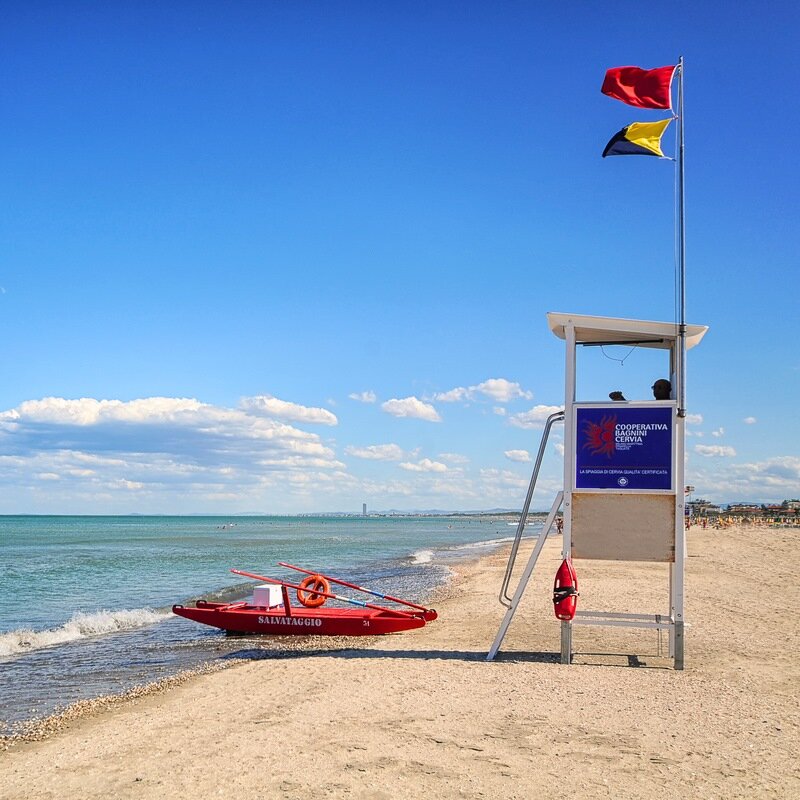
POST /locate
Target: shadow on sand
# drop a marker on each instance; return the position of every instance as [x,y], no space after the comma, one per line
[257,654]
[618,660]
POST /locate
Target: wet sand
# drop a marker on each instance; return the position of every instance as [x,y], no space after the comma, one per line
[421,714]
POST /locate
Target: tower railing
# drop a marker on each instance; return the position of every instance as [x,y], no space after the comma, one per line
[551,420]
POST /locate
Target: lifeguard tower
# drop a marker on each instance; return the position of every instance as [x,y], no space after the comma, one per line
[623,495]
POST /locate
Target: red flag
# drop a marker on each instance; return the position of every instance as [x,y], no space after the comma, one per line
[643,88]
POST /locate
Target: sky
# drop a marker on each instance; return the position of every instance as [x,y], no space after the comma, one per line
[293,257]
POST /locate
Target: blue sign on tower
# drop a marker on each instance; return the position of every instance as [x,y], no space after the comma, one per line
[623,448]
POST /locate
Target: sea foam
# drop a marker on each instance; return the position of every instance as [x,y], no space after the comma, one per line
[422,557]
[80,626]
[486,543]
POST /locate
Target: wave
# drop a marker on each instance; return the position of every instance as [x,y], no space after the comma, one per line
[450,551]
[80,626]
[485,543]
[488,543]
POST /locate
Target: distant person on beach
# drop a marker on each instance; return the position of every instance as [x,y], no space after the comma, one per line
[662,389]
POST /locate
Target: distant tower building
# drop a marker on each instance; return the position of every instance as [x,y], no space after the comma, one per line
[364,509]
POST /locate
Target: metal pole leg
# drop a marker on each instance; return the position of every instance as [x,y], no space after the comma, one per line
[566,642]
[523,582]
[678,645]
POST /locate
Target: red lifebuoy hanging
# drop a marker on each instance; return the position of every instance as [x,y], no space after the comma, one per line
[565,591]
[308,595]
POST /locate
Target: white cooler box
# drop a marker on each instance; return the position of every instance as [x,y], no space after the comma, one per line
[268,595]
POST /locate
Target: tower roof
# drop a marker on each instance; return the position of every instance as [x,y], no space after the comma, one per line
[614,330]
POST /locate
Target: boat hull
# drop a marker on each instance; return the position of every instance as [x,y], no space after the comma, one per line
[244,618]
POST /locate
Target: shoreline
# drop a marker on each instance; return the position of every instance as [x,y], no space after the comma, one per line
[423,713]
[274,647]
[105,643]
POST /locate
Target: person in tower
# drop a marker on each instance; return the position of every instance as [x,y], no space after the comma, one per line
[662,389]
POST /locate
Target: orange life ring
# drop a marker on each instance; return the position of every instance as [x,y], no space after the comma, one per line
[308,595]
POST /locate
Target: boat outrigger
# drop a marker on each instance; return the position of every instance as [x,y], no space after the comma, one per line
[271,611]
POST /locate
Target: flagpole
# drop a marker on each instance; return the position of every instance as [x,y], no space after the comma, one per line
[681,254]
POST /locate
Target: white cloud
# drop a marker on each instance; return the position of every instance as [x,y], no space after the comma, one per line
[559,448]
[130,486]
[460,394]
[712,450]
[411,407]
[499,410]
[535,418]
[521,456]
[718,433]
[425,465]
[694,419]
[363,397]
[498,389]
[177,454]
[782,470]
[454,458]
[88,411]
[80,473]
[496,480]
[749,420]
[770,481]
[282,409]
[502,391]
[377,452]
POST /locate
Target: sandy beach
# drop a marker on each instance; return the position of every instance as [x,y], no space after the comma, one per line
[421,714]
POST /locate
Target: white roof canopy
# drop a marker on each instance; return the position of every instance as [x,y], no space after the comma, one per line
[612,330]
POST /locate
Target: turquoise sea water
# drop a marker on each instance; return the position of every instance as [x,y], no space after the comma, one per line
[85,602]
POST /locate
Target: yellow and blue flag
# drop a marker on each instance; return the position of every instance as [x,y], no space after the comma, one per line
[638,139]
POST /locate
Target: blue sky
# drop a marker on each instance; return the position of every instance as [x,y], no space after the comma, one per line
[287,257]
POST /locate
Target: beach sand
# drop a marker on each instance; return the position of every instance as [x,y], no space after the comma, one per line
[422,715]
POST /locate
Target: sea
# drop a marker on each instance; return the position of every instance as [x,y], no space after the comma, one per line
[86,601]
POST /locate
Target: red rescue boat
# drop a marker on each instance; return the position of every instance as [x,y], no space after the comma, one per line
[272,613]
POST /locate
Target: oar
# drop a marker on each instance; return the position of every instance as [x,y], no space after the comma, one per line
[325,594]
[353,586]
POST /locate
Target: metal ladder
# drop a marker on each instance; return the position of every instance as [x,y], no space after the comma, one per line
[511,603]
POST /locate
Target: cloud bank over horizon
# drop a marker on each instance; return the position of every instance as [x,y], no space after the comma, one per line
[158,445]
[182,455]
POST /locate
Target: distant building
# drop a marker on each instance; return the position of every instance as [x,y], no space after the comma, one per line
[744,508]
[702,508]
[364,509]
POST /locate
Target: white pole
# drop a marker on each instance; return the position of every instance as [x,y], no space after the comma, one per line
[569,435]
[677,574]
[569,467]
[681,253]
